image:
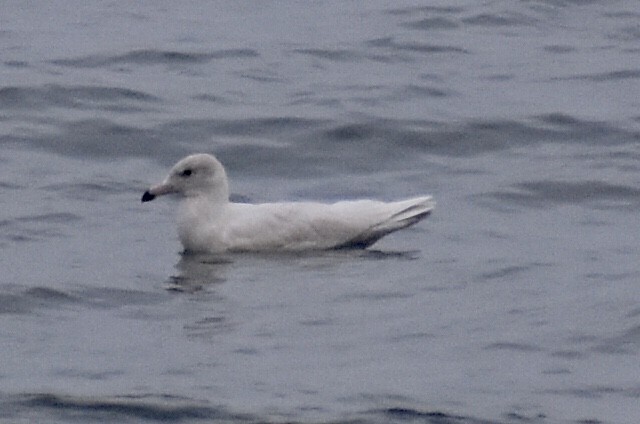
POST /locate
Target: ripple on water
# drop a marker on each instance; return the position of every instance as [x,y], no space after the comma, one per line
[75,97]
[545,192]
[38,227]
[155,57]
[160,407]
[16,299]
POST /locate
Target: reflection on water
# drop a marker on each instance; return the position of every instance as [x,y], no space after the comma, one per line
[199,271]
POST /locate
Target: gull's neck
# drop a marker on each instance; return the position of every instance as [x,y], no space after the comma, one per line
[199,221]
[204,205]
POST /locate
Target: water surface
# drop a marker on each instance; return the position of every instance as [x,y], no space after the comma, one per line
[516,301]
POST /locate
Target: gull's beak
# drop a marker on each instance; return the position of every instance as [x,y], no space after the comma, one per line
[159,190]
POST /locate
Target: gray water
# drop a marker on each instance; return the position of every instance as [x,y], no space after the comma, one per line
[517,301]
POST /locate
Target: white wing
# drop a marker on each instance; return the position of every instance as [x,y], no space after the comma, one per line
[305,225]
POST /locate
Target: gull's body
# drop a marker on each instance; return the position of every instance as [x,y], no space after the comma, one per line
[209,222]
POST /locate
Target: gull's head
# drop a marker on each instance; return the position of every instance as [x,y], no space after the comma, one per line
[196,175]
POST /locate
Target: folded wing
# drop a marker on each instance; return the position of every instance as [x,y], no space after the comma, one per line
[306,225]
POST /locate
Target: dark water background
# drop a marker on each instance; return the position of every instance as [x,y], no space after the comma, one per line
[518,301]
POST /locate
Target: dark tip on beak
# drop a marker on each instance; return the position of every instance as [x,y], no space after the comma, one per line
[147,197]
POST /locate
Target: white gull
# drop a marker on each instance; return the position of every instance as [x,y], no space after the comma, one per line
[209,222]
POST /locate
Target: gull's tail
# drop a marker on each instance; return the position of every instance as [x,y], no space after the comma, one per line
[410,211]
[395,216]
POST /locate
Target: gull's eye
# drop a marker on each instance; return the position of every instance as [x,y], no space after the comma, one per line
[186,173]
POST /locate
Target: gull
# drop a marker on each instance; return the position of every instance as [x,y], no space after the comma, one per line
[209,223]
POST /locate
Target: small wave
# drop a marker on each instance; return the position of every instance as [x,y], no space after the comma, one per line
[252,126]
[103,138]
[212,98]
[467,139]
[623,74]
[17,299]
[559,49]
[163,408]
[428,24]
[410,415]
[16,64]
[209,327]
[12,304]
[419,91]
[339,55]
[499,20]
[628,342]
[541,193]
[374,296]
[108,297]
[512,346]
[263,76]
[96,97]
[30,228]
[250,144]
[14,301]
[415,47]
[472,137]
[169,408]
[506,272]
[412,10]
[597,392]
[155,57]
[559,119]
[90,191]
[49,294]
[53,218]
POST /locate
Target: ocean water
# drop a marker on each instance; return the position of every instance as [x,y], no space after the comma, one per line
[517,301]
